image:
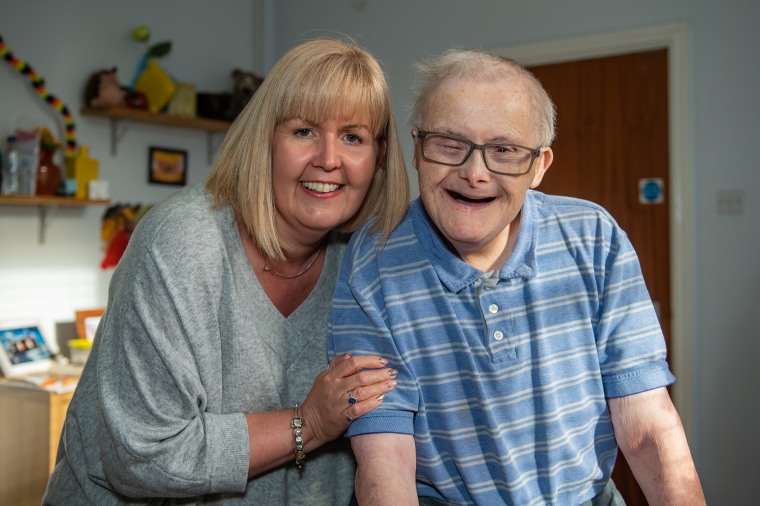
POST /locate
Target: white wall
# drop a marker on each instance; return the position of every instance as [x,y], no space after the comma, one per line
[65,42]
[723,110]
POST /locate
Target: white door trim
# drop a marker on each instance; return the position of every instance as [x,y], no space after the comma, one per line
[675,39]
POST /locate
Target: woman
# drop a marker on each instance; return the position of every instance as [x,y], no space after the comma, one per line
[217,313]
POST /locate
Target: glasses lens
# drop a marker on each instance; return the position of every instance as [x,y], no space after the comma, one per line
[443,149]
[499,158]
[508,159]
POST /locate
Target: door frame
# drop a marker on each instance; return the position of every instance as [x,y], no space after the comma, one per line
[674,38]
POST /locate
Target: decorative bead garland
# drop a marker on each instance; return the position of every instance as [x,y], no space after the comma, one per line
[39,85]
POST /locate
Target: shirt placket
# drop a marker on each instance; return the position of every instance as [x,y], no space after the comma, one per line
[492,307]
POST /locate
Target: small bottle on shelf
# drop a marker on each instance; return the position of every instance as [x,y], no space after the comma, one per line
[9,185]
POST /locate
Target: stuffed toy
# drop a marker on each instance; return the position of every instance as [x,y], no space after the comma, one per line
[226,106]
[244,86]
[103,91]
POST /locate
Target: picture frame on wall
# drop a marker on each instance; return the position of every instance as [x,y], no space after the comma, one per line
[167,166]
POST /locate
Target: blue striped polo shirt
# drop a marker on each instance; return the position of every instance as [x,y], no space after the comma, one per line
[503,377]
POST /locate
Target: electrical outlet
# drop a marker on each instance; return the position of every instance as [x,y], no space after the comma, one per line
[730,202]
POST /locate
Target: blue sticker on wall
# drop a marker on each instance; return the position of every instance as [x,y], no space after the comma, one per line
[651,191]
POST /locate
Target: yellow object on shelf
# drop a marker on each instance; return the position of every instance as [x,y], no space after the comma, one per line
[183,101]
[83,169]
[156,84]
[80,350]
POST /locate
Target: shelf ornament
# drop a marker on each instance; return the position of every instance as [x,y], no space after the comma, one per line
[39,85]
[151,79]
[118,223]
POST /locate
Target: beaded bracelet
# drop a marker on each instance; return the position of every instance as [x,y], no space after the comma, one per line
[296,424]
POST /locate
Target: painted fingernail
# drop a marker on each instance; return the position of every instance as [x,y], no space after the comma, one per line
[391,384]
[347,355]
[383,361]
[380,397]
[393,372]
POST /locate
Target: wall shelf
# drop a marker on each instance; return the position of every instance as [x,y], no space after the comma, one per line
[48,200]
[46,205]
[117,115]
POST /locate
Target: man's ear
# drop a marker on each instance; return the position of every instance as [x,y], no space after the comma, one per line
[416,154]
[542,164]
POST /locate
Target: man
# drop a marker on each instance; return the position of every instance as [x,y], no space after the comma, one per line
[527,346]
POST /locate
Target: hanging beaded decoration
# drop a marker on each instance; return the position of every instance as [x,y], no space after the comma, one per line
[39,85]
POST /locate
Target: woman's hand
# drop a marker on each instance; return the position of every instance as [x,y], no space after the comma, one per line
[350,387]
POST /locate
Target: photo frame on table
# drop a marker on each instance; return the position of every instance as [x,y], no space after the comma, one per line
[87,321]
[23,348]
[167,166]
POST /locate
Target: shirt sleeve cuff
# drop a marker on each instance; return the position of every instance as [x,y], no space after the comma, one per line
[637,382]
[382,421]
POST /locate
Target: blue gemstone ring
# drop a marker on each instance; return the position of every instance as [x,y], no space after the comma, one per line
[351,398]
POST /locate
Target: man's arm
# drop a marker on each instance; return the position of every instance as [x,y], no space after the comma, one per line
[649,433]
[385,472]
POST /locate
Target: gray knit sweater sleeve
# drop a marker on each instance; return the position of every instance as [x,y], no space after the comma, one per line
[159,364]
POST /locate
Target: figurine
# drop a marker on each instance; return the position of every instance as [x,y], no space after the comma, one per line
[244,86]
[103,91]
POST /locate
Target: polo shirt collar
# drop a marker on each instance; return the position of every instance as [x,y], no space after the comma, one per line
[456,274]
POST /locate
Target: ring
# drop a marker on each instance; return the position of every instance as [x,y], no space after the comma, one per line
[351,398]
[345,413]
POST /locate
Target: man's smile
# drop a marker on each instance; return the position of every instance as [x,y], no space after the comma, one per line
[470,200]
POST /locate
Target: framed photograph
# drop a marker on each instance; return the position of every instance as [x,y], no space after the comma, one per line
[87,321]
[167,166]
[23,349]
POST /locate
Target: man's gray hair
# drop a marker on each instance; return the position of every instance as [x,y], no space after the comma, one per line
[431,73]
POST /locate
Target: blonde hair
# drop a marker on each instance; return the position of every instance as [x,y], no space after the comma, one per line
[483,66]
[317,80]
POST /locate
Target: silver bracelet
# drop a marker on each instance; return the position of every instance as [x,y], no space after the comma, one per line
[296,424]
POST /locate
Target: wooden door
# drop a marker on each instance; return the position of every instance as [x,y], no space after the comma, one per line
[612,134]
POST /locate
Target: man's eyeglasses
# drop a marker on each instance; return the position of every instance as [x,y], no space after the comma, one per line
[452,150]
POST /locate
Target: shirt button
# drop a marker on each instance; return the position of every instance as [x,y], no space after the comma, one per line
[493,308]
[498,335]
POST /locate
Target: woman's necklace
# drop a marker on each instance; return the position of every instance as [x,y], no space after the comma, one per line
[268,267]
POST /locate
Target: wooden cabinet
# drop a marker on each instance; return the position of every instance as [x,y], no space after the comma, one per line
[31,421]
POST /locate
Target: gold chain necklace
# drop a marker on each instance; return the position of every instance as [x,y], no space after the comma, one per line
[268,267]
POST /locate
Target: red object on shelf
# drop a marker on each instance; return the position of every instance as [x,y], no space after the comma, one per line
[48,173]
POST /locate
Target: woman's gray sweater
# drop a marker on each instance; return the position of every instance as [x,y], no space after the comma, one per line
[188,344]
